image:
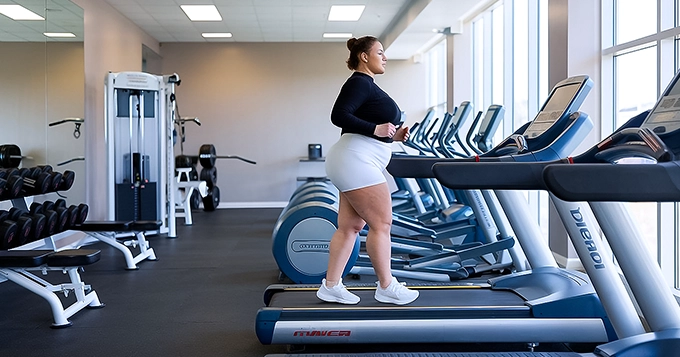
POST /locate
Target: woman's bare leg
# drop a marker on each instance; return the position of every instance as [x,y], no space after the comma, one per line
[343,240]
[374,206]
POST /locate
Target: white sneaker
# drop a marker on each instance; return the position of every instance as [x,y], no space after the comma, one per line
[338,293]
[396,293]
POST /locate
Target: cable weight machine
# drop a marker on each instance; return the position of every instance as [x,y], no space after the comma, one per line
[139,138]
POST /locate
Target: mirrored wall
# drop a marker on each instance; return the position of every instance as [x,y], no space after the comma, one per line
[42,88]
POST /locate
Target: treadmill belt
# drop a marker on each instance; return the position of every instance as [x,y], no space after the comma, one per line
[436,354]
[465,297]
[302,304]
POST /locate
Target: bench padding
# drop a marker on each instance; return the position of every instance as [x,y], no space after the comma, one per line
[103,226]
[73,257]
[23,258]
[145,225]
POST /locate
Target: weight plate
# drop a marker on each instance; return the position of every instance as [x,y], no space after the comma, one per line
[182,161]
[195,199]
[212,200]
[207,155]
[209,176]
[10,156]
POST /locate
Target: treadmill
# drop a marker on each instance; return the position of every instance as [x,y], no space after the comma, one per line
[602,178]
[546,304]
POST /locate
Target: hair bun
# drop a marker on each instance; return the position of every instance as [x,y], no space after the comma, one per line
[351,42]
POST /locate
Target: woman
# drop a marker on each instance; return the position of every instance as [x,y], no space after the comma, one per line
[370,121]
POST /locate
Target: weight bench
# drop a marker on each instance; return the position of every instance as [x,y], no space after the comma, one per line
[107,232]
[15,265]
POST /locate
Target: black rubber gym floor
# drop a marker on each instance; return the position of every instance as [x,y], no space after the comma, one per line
[199,299]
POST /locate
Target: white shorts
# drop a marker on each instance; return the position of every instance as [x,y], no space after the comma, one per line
[357,161]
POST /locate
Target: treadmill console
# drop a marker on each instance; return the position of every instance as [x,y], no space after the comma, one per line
[665,117]
[461,113]
[565,98]
[490,122]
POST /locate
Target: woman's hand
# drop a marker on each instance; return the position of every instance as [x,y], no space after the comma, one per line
[386,130]
[401,134]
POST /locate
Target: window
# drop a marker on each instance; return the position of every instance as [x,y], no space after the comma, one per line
[634,19]
[436,78]
[509,64]
[640,56]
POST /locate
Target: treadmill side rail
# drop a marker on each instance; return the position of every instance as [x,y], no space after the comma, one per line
[437,331]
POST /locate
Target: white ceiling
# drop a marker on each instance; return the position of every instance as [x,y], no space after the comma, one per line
[60,16]
[404,26]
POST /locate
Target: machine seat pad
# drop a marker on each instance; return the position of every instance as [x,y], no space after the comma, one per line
[23,258]
[145,225]
[103,226]
[73,257]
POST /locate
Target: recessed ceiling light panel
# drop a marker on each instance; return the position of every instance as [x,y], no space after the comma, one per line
[345,12]
[202,12]
[337,35]
[59,34]
[216,34]
[18,12]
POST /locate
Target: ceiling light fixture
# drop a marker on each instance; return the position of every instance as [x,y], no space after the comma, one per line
[59,34]
[337,35]
[18,12]
[201,12]
[216,34]
[346,12]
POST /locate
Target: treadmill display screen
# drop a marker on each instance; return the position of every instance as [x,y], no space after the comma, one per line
[666,114]
[553,109]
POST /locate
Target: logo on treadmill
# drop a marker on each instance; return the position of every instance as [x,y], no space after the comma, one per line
[587,238]
[302,246]
[322,333]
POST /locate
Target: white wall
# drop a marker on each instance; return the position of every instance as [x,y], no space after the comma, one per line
[267,102]
[112,44]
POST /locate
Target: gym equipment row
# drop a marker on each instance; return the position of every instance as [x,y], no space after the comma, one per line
[305,226]
[545,304]
[595,176]
[590,176]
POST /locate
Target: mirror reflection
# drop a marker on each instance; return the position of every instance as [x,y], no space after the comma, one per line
[42,74]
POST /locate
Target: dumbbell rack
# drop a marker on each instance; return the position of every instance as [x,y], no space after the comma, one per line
[49,249]
[63,240]
[20,200]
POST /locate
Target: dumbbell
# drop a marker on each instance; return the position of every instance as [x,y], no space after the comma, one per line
[36,182]
[56,176]
[39,222]
[82,212]
[61,213]
[67,179]
[51,219]
[76,214]
[23,224]
[11,183]
[8,231]
[72,213]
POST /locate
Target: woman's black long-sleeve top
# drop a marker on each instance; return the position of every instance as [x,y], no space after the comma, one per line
[361,105]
